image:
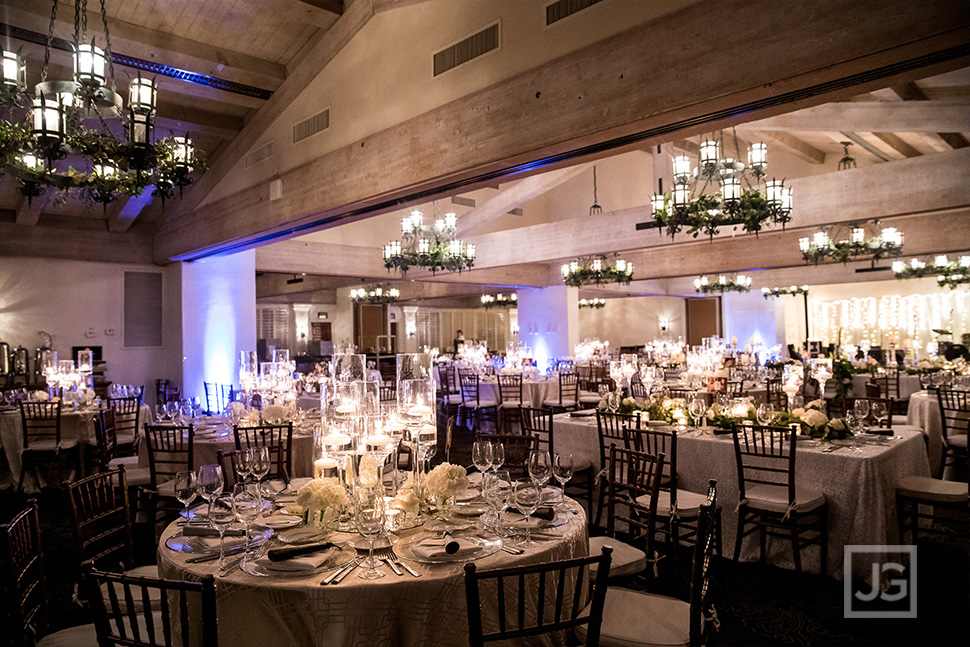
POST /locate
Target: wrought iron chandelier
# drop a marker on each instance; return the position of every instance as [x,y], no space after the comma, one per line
[792,291]
[55,126]
[500,300]
[887,243]
[599,270]
[378,294]
[741,283]
[719,192]
[951,274]
[595,304]
[436,248]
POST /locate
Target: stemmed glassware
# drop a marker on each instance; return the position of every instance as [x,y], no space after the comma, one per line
[242,464]
[879,411]
[186,489]
[496,488]
[527,494]
[482,455]
[222,513]
[697,408]
[211,482]
[259,462]
[562,469]
[371,520]
[498,456]
[247,504]
[540,466]
[861,408]
[765,413]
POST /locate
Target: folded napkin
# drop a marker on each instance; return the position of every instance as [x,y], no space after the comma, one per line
[212,543]
[544,512]
[432,548]
[281,520]
[304,563]
[193,530]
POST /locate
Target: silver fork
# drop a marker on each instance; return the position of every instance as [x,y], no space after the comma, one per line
[393,559]
[383,554]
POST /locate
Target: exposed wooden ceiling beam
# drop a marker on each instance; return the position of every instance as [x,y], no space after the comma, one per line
[912,92]
[797,147]
[332,6]
[74,244]
[29,209]
[123,212]
[151,45]
[631,85]
[895,141]
[873,116]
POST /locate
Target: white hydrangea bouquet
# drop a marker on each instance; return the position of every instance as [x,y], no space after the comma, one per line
[814,423]
[325,501]
[435,492]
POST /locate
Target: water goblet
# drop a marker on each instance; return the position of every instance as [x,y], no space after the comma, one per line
[259,462]
[526,495]
[242,464]
[247,505]
[222,514]
[482,455]
[371,519]
[186,489]
[879,411]
[211,482]
[540,466]
[861,408]
[496,492]
[498,455]
[765,413]
[697,408]
[562,469]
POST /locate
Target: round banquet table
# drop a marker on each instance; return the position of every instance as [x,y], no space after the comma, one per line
[534,391]
[208,440]
[924,412]
[394,610]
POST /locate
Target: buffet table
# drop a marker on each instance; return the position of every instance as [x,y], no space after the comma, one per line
[858,483]
[394,610]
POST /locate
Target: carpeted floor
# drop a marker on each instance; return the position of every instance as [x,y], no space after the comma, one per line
[757,605]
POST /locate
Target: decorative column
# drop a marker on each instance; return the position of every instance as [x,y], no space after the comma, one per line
[548,320]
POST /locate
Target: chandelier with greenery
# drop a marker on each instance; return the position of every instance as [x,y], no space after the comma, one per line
[588,270]
[792,291]
[740,283]
[820,247]
[378,294]
[722,192]
[71,122]
[436,248]
[951,274]
[499,300]
[594,304]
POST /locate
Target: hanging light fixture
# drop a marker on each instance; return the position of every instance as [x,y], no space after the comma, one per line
[740,283]
[859,245]
[951,274]
[594,304]
[54,125]
[436,247]
[719,192]
[378,294]
[794,290]
[597,270]
[847,160]
[499,300]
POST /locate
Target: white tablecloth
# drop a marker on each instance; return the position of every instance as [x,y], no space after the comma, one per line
[924,412]
[425,611]
[859,486]
[534,392]
[206,445]
[908,385]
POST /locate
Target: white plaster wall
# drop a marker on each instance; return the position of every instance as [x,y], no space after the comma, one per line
[633,321]
[70,298]
[218,319]
[549,321]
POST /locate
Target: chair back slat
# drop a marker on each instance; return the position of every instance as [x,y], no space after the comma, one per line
[170,450]
[510,388]
[633,475]
[704,547]
[105,434]
[529,616]
[539,422]
[765,455]
[22,571]
[127,413]
[279,440]
[615,428]
[41,422]
[101,519]
[517,448]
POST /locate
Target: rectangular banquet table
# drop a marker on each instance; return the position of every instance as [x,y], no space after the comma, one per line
[858,485]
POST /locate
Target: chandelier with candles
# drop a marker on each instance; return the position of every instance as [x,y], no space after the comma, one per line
[887,243]
[66,123]
[594,304]
[740,283]
[499,300]
[597,271]
[378,294]
[792,290]
[951,274]
[721,192]
[435,247]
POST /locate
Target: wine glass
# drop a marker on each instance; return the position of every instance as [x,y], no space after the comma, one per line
[496,491]
[259,462]
[222,514]
[562,469]
[186,489]
[498,455]
[861,408]
[247,504]
[526,495]
[172,411]
[540,466]
[211,482]
[879,411]
[243,465]
[371,519]
[765,413]
[697,407]
[482,455]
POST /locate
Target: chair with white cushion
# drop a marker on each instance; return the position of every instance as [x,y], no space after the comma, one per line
[540,422]
[955,416]
[568,394]
[934,495]
[43,445]
[170,451]
[510,400]
[632,485]
[107,442]
[634,618]
[473,406]
[22,579]
[769,502]
[611,428]
[127,423]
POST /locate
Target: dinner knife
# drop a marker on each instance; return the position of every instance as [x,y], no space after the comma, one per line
[279,554]
[339,578]
[338,571]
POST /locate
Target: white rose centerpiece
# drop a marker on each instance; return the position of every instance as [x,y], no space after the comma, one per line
[324,499]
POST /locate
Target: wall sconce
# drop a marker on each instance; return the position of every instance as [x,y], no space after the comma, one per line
[664,324]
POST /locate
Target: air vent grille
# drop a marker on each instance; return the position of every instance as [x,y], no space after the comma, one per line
[564,8]
[467,49]
[464,202]
[257,155]
[309,127]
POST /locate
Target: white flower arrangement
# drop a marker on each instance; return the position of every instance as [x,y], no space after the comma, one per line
[322,494]
[369,471]
[274,413]
[407,502]
[446,480]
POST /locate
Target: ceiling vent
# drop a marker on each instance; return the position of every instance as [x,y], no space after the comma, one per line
[309,127]
[466,50]
[556,11]
[257,155]
[463,202]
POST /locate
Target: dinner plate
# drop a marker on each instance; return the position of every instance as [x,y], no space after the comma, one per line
[471,509]
[280,521]
[341,555]
[302,535]
[385,541]
[585,413]
[453,525]
[258,536]
[489,542]
[515,520]
[468,495]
